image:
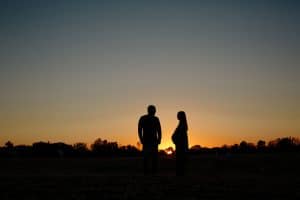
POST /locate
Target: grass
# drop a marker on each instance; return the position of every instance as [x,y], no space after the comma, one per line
[273,176]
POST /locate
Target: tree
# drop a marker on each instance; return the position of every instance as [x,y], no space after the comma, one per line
[285,144]
[129,150]
[243,146]
[98,143]
[195,148]
[80,148]
[234,148]
[103,147]
[9,145]
[261,145]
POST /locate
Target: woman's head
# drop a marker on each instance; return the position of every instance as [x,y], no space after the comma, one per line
[181,116]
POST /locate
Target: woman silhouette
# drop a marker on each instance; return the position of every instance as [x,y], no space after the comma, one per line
[180,139]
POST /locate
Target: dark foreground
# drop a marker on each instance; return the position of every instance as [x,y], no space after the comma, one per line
[235,177]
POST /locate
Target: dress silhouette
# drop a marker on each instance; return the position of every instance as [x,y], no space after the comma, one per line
[149,131]
[180,139]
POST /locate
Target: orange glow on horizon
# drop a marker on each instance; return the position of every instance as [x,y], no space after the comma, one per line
[169,152]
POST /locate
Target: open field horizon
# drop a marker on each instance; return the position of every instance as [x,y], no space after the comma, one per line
[87,87]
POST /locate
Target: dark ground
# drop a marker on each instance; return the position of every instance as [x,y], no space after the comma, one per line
[272,176]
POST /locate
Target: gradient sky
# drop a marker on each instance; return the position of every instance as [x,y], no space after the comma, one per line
[74,71]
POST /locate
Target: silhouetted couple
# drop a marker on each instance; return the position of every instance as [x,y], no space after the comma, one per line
[149,130]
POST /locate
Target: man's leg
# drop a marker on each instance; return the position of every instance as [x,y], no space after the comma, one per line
[146,158]
[155,160]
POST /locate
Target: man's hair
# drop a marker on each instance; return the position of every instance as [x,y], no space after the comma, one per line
[151,110]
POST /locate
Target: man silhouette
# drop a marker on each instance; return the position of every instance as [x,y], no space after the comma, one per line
[150,136]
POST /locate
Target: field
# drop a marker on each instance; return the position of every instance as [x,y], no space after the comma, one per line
[268,176]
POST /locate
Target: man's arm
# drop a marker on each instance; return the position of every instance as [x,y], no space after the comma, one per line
[158,131]
[140,130]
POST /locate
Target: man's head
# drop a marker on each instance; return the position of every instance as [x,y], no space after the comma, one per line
[151,110]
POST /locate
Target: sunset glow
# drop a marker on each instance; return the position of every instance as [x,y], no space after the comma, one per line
[75,72]
[169,152]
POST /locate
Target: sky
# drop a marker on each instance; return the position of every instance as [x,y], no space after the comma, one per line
[74,71]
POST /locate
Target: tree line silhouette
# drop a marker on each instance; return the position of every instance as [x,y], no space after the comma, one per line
[46,149]
[104,148]
[285,144]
